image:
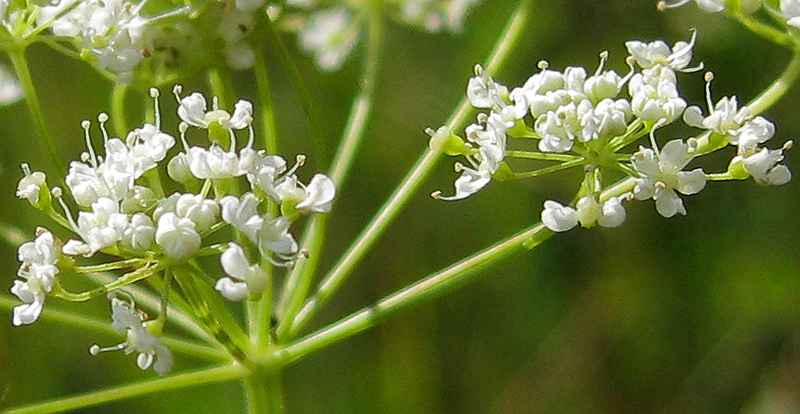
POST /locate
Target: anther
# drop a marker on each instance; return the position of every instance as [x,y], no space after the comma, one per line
[788,145]
[543,64]
[478,69]
[436,195]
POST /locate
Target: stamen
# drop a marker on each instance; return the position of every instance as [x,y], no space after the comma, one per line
[177,90]
[92,157]
[709,76]
[252,139]
[436,195]
[603,59]
[478,69]
[788,145]
[630,61]
[26,169]
[155,93]
[96,350]
[543,65]
[102,119]
[215,103]
[57,193]
[182,128]
[661,122]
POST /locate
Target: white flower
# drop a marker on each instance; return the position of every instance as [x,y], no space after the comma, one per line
[10,89]
[648,55]
[216,163]
[791,10]
[654,95]
[485,93]
[265,172]
[724,118]
[242,214]
[330,36]
[192,110]
[763,166]
[757,131]
[558,217]
[177,236]
[138,338]
[140,233]
[39,270]
[662,177]
[274,236]
[242,279]
[319,195]
[31,185]
[470,182]
[103,227]
[203,212]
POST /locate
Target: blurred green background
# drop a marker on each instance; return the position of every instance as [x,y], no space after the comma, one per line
[695,314]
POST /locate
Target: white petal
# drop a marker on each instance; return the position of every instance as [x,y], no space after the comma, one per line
[557,217]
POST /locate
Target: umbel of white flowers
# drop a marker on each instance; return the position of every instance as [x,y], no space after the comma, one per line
[121,216]
[586,120]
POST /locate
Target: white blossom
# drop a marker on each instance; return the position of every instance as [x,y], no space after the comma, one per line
[242,214]
[138,338]
[662,177]
[242,278]
[649,55]
[330,36]
[177,236]
[31,185]
[38,271]
[100,228]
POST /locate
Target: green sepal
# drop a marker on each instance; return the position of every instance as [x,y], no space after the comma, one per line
[521,130]
[448,143]
[708,143]
[736,169]
[211,311]
[503,172]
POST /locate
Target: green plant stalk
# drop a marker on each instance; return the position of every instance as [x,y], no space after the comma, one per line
[202,377]
[273,38]
[420,292]
[766,31]
[267,108]
[118,119]
[778,88]
[264,392]
[23,73]
[299,280]
[410,184]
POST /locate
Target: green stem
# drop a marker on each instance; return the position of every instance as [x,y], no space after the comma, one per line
[190,379]
[267,110]
[412,182]
[299,281]
[273,37]
[264,392]
[540,156]
[778,88]
[420,292]
[766,31]
[118,118]
[555,168]
[35,108]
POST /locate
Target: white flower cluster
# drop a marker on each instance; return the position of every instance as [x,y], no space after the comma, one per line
[121,214]
[330,34]
[585,120]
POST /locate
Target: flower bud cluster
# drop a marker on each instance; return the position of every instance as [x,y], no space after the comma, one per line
[582,120]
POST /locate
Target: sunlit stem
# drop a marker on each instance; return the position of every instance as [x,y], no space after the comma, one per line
[551,169]
[778,88]
[541,156]
[124,280]
[766,31]
[267,111]
[410,184]
[264,392]
[35,108]
[118,119]
[190,379]
[299,281]
[285,58]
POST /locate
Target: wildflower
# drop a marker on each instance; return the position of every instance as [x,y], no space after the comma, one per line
[791,10]
[242,214]
[100,228]
[654,95]
[193,111]
[649,55]
[588,213]
[32,185]
[178,236]
[39,270]
[242,279]
[140,337]
[662,176]
[330,36]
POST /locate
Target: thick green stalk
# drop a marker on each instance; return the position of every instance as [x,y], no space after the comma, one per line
[35,108]
[264,392]
[299,281]
[410,184]
[118,119]
[420,292]
[778,88]
[171,383]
